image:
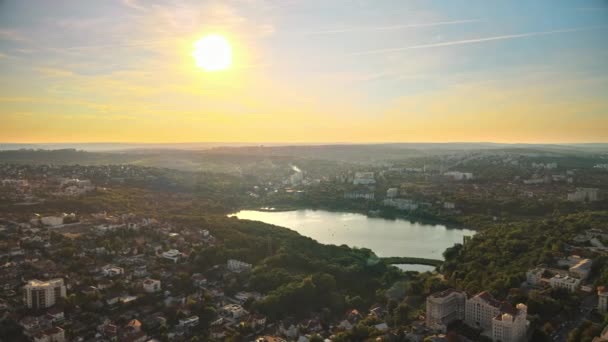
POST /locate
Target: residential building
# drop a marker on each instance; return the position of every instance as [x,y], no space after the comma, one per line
[400,203]
[392,192]
[238,266]
[497,320]
[55,334]
[43,294]
[189,322]
[172,254]
[151,285]
[584,195]
[112,271]
[481,310]
[564,282]
[51,221]
[602,303]
[364,178]
[511,324]
[449,205]
[534,276]
[357,194]
[443,308]
[581,269]
[234,310]
[459,176]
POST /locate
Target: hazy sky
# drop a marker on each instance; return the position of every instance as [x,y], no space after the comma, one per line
[305,71]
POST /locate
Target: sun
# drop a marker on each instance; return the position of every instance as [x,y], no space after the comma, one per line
[212,53]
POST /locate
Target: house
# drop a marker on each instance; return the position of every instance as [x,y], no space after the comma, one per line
[55,314]
[382,327]
[140,271]
[238,266]
[269,339]
[112,271]
[534,276]
[172,254]
[134,325]
[199,280]
[51,221]
[233,310]
[151,285]
[55,334]
[189,322]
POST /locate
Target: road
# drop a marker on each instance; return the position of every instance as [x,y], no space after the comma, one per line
[587,305]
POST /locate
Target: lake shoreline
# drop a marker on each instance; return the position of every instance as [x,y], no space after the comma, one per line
[393,216]
[400,239]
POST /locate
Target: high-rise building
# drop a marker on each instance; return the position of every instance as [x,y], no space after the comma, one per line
[511,324]
[498,320]
[43,294]
[481,309]
[443,308]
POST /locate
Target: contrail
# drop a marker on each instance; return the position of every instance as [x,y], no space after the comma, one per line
[480,40]
[393,27]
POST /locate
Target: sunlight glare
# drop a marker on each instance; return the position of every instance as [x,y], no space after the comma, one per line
[212,53]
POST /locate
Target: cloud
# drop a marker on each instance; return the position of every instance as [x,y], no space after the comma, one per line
[392,27]
[12,35]
[480,40]
[134,4]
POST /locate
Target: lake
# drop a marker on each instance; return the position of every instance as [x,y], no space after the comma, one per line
[385,237]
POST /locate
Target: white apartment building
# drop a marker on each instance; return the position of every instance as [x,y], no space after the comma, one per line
[481,310]
[368,195]
[511,325]
[112,270]
[43,294]
[458,176]
[364,178]
[151,285]
[443,308]
[400,203]
[189,322]
[584,195]
[172,254]
[498,320]
[564,282]
[238,266]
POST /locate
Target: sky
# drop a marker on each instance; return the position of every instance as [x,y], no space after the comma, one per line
[360,71]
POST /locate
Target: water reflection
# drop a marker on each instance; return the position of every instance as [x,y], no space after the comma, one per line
[385,237]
